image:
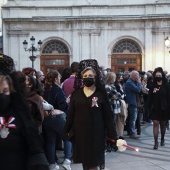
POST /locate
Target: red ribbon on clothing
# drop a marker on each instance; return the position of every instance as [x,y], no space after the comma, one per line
[7,124]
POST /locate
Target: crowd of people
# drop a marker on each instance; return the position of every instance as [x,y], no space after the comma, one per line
[76,109]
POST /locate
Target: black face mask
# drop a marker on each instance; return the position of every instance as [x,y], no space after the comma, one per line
[88,81]
[4,102]
[158,79]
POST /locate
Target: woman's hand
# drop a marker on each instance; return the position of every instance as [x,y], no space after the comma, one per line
[56,112]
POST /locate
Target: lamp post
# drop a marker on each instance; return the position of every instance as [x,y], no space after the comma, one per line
[32,48]
[167,42]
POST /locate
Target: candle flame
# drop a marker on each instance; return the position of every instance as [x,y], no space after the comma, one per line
[137,150]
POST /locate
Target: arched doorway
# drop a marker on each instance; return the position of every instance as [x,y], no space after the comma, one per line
[55,55]
[126,56]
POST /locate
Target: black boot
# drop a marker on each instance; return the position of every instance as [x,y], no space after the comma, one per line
[162,142]
[156,145]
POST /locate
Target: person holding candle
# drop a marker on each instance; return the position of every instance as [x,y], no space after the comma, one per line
[89,117]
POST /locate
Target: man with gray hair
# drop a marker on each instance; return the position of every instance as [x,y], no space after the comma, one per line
[133,86]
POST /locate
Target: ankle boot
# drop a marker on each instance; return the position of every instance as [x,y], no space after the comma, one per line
[156,145]
[162,142]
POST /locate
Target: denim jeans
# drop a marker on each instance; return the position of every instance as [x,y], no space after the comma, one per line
[52,127]
[133,112]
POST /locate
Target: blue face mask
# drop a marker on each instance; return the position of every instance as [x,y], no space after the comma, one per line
[4,102]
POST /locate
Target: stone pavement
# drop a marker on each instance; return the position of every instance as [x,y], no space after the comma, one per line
[146,159]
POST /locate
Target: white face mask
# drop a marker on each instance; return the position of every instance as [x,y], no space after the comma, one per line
[104,72]
[145,76]
[34,77]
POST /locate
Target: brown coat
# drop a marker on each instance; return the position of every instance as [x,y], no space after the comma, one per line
[36,108]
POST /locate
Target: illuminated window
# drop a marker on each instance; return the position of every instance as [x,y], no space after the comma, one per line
[126,45]
[126,61]
[54,62]
[58,46]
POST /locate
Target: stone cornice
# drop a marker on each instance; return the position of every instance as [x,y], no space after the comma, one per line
[85,6]
[92,18]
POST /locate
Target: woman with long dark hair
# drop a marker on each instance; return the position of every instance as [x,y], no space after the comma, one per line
[157,104]
[54,123]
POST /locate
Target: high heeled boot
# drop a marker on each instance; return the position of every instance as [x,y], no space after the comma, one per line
[156,145]
[162,142]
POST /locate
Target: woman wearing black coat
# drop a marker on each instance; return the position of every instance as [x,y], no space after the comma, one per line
[157,104]
[89,117]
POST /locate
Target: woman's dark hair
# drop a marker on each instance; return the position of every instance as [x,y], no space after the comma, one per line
[28,71]
[32,82]
[50,78]
[65,74]
[74,67]
[160,70]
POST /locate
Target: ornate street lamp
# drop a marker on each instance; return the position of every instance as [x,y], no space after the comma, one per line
[167,42]
[32,48]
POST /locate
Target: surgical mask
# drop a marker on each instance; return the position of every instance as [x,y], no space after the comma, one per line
[4,102]
[34,77]
[88,82]
[145,77]
[105,72]
[158,79]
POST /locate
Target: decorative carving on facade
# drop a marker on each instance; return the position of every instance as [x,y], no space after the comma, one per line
[17,27]
[90,29]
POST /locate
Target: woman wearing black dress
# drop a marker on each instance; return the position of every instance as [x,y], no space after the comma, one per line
[89,116]
[158,104]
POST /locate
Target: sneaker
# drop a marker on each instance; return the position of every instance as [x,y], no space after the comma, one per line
[66,164]
[53,167]
[134,136]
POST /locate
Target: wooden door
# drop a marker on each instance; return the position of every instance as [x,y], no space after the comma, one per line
[53,62]
[125,62]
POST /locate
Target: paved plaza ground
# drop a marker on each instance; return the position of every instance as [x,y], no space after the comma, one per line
[146,159]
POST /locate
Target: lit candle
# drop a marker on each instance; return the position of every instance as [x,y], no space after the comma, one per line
[127,146]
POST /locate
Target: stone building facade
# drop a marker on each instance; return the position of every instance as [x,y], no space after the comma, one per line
[122,35]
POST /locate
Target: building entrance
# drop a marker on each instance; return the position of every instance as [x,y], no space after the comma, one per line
[126,56]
